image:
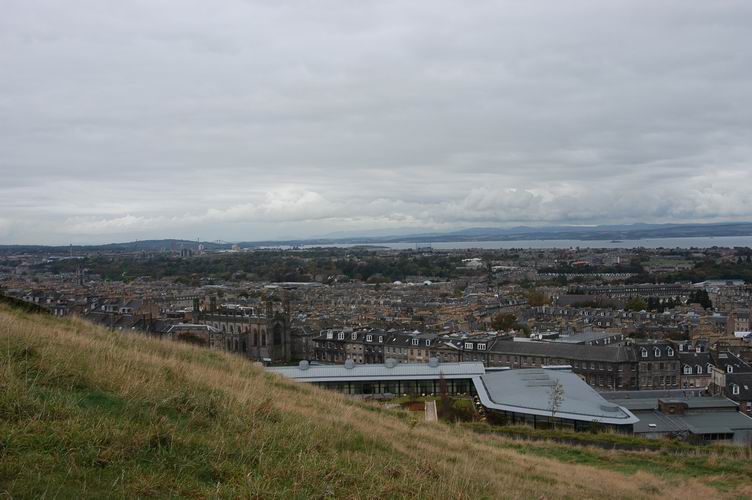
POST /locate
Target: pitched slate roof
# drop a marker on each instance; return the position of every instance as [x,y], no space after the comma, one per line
[614,354]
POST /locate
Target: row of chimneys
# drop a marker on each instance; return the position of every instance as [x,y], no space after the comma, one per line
[213,305]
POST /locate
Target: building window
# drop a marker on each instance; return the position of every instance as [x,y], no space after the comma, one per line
[698,368]
[381,338]
[354,336]
[687,370]
[481,347]
[468,345]
[729,369]
[657,352]
[670,351]
[644,352]
[341,336]
[734,389]
[428,342]
[416,341]
[369,338]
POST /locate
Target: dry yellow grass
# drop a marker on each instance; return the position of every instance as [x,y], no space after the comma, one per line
[89,411]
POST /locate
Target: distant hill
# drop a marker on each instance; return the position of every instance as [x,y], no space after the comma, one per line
[522,233]
[90,413]
[632,232]
[130,246]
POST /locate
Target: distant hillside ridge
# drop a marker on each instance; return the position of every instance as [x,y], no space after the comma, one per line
[582,233]
[634,232]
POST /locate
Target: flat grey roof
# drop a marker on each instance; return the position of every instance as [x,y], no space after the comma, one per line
[648,400]
[373,372]
[720,422]
[709,402]
[529,391]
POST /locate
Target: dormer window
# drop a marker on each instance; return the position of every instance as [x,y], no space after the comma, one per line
[709,368]
[354,336]
[670,351]
[644,352]
[734,389]
[468,345]
[698,349]
[369,338]
[729,369]
[657,352]
[416,341]
[428,342]
[698,369]
[687,370]
[341,336]
[481,347]
[381,338]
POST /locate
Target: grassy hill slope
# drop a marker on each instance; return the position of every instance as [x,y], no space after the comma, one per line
[91,413]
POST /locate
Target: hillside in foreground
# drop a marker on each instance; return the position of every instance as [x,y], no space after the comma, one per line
[91,413]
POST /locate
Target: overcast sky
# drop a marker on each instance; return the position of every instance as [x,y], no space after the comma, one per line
[247,120]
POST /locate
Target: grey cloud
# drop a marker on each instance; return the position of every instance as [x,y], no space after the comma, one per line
[254,119]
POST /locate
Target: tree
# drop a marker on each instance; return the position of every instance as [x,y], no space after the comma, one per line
[445,407]
[504,321]
[636,304]
[555,398]
[701,297]
[536,298]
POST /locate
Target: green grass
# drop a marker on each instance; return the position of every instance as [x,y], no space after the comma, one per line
[605,439]
[725,473]
[727,467]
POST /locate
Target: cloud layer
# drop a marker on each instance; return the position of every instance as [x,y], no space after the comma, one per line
[246,120]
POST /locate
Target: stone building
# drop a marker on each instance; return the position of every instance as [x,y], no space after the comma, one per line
[696,365]
[658,366]
[608,367]
[734,381]
[262,335]
[372,346]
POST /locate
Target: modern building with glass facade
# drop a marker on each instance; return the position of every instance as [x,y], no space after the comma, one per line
[390,378]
